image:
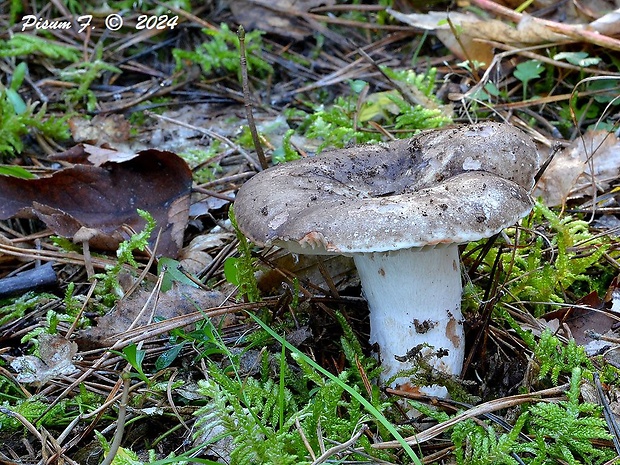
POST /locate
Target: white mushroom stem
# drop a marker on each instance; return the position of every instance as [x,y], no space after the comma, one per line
[414,296]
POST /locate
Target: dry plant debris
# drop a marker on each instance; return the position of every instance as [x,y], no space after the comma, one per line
[122,346]
[103,194]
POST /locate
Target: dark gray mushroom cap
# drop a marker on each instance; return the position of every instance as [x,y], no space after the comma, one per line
[458,184]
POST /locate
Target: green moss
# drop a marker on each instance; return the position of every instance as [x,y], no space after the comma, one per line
[221,53]
[347,120]
[555,255]
[28,44]
[15,125]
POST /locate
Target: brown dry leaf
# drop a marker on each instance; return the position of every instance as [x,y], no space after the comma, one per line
[102,129]
[194,257]
[93,155]
[579,319]
[178,301]
[56,355]
[205,206]
[340,269]
[612,296]
[106,197]
[470,27]
[608,24]
[569,174]
[100,155]
[277,16]
[590,314]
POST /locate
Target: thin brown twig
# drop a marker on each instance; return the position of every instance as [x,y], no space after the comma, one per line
[157,329]
[120,424]
[211,193]
[48,255]
[573,31]
[173,405]
[152,330]
[78,317]
[528,53]
[487,407]
[304,439]
[209,133]
[24,421]
[340,447]
[248,102]
[227,179]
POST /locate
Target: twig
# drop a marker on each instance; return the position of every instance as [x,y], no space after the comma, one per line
[157,329]
[476,411]
[528,53]
[304,439]
[120,424]
[158,88]
[24,421]
[175,410]
[601,337]
[248,103]
[152,330]
[575,32]
[48,255]
[209,133]
[411,94]
[612,424]
[78,317]
[340,447]
[38,278]
[227,179]
[189,16]
[211,193]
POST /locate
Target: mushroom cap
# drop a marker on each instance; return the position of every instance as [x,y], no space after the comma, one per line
[458,184]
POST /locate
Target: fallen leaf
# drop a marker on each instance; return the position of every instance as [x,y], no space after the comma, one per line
[206,206]
[56,355]
[99,155]
[180,300]
[93,155]
[579,319]
[101,129]
[612,296]
[307,268]
[608,24]
[210,240]
[194,257]
[608,223]
[570,172]
[107,197]
[469,28]
[277,16]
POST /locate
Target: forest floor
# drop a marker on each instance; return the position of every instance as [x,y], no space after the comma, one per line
[137,323]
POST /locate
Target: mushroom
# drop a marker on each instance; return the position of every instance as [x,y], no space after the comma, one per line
[401,209]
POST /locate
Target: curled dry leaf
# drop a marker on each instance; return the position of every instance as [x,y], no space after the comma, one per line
[106,197]
[570,172]
[311,270]
[608,24]
[588,314]
[470,28]
[93,155]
